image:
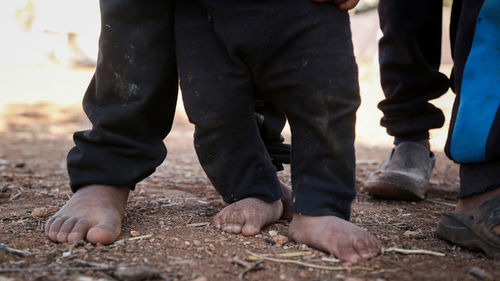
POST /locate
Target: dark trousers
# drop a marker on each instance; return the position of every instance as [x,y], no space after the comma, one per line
[409,62]
[474,136]
[132,97]
[409,55]
[296,54]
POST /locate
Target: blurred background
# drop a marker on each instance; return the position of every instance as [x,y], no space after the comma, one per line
[49,51]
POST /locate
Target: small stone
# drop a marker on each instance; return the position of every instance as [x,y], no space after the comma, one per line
[304,247]
[66,254]
[273,233]
[84,278]
[136,273]
[480,273]
[412,234]
[196,243]
[41,212]
[78,243]
[280,239]
[134,233]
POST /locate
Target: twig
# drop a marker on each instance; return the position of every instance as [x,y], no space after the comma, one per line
[442,203]
[295,254]
[199,224]
[122,241]
[248,267]
[13,251]
[190,219]
[140,237]
[414,251]
[16,196]
[337,268]
[91,264]
[331,260]
[4,188]
[12,270]
[383,270]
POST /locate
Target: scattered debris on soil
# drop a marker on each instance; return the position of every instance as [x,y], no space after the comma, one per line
[167,233]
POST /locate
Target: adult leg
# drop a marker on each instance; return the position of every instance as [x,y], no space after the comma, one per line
[475,129]
[409,55]
[218,96]
[311,73]
[130,102]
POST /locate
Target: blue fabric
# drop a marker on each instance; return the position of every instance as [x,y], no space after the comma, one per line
[480,94]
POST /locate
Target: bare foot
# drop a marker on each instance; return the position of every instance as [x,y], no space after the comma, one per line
[466,204]
[94,213]
[249,215]
[339,237]
[287,202]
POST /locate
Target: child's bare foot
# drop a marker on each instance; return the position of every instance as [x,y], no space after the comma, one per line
[339,237]
[286,199]
[94,213]
[249,215]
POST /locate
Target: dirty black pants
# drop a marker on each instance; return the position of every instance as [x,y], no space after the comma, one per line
[132,98]
[296,54]
[409,57]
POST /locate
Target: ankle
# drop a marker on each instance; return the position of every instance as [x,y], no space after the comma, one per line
[468,203]
[425,143]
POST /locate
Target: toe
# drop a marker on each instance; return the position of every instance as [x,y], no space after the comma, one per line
[48,224]
[231,228]
[217,221]
[79,231]
[66,227]
[346,252]
[250,229]
[232,220]
[366,246]
[102,234]
[55,227]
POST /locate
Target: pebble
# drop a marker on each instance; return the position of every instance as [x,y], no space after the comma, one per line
[480,273]
[41,212]
[136,273]
[134,233]
[280,239]
[412,234]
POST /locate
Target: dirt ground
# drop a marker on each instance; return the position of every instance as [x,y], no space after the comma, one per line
[167,233]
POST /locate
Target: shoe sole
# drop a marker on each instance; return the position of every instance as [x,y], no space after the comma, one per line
[452,229]
[397,186]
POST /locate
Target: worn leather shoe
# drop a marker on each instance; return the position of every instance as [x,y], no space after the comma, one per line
[404,175]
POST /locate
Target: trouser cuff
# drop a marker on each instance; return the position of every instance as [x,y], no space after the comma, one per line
[264,186]
[314,203]
[478,178]
[416,137]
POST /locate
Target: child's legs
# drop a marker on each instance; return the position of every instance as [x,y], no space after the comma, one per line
[313,77]
[218,97]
